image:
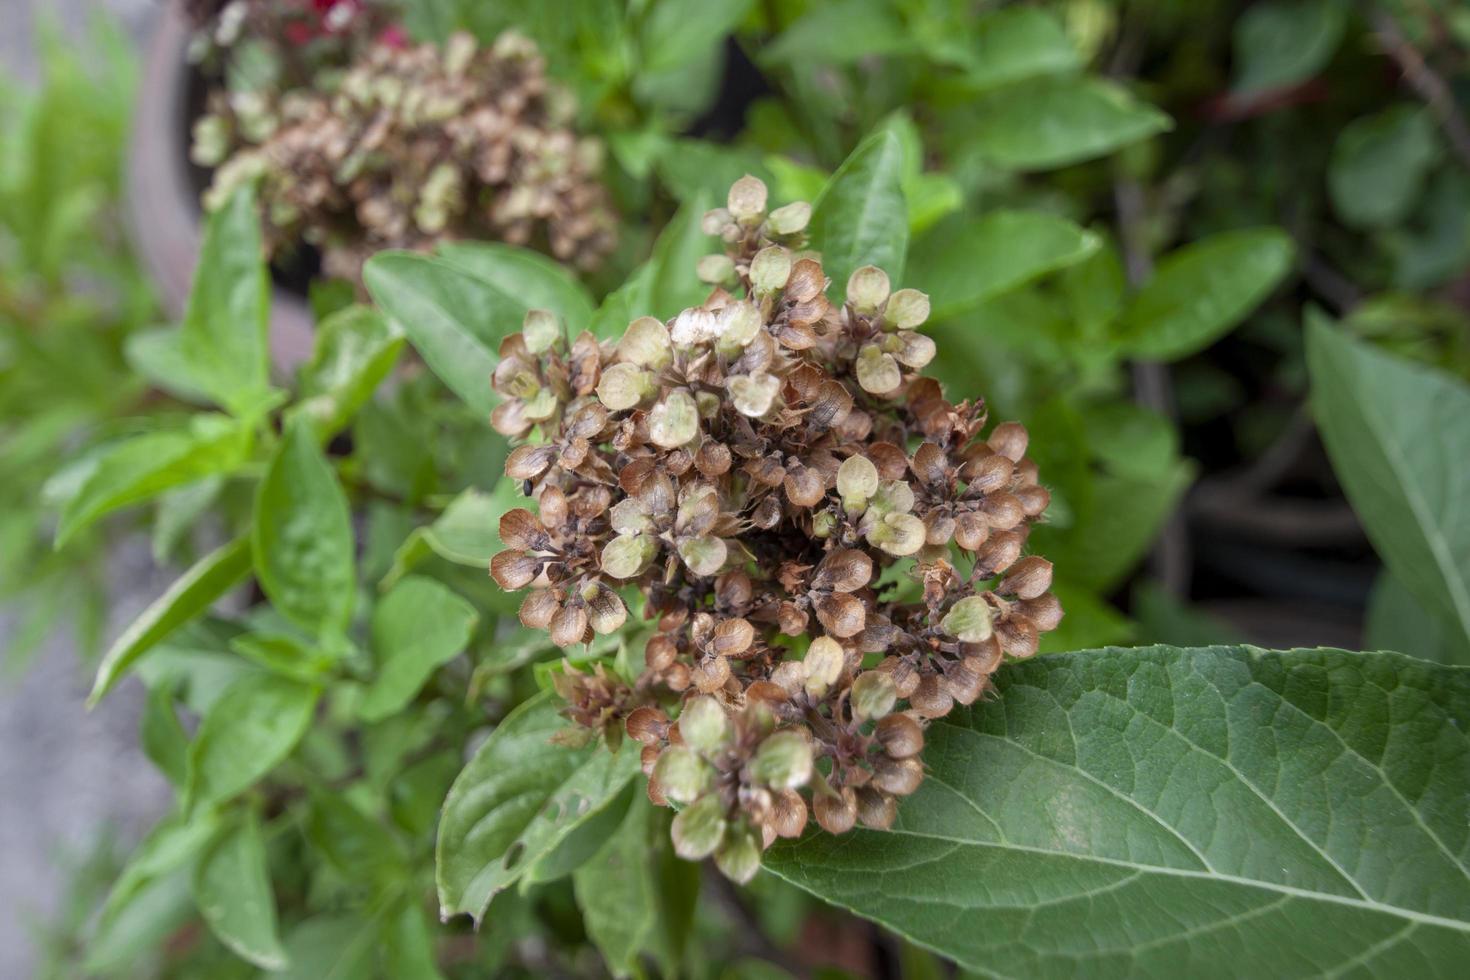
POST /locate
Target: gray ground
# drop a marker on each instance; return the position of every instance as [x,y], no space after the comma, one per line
[66,775]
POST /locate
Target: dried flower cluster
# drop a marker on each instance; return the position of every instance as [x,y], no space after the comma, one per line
[832,552]
[410,145]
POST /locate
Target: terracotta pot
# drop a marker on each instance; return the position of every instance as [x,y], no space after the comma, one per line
[164,215]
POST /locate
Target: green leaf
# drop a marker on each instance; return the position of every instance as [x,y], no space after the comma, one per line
[582,844]
[541,283]
[964,262]
[163,738]
[1283,42]
[1398,621]
[516,800]
[330,947]
[408,948]
[1379,164]
[172,844]
[454,318]
[193,593]
[144,466]
[1165,812]
[232,887]
[467,533]
[417,628]
[302,536]
[226,332]
[690,166]
[355,350]
[1398,434]
[677,31]
[158,356]
[860,217]
[253,726]
[1202,290]
[1016,44]
[618,890]
[1052,122]
[665,284]
[840,33]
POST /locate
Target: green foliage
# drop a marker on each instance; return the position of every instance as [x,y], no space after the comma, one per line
[519,798]
[1083,791]
[1398,437]
[361,740]
[70,297]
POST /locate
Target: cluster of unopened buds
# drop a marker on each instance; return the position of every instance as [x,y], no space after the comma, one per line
[831,554]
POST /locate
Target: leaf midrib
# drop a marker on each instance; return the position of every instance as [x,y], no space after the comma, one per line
[1423,918]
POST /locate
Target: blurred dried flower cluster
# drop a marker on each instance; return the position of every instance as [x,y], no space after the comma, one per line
[832,552]
[387,145]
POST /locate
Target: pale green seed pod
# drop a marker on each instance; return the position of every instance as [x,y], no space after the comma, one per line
[681,774]
[857,481]
[790,219]
[877,372]
[541,329]
[628,555]
[699,828]
[899,535]
[753,395]
[703,724]
[867,289]
[873,695]
[623,386]
[674,421]
[739,324]
[907,309]
[646,343]
[739,857]
[703,556]
[770,269]
[783,760]
[747,200]
[715,269]
[823,665]
[969,620]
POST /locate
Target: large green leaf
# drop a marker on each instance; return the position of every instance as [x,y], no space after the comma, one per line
[144,466]
[194,592]
[232,887]
[417,628]
[454,318]
[1202,290]
[963,263]
[1052,122]
[519,797]
[226,332]
[539,282]
[355,349]
[1221,811]
[860,217]
[1399,437]
[1283,42]
[252,727]
[302,536]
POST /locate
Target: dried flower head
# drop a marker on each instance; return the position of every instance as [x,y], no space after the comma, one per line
[765,470]
[405,146]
